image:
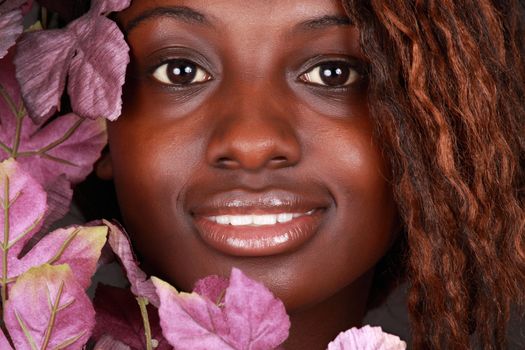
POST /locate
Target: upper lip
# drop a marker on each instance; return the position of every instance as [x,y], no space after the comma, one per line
[240,202]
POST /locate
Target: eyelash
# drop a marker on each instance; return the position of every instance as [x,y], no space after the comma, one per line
[161,73]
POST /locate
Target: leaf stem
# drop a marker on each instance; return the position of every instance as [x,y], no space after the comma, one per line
[18,133]
[54,312]
[5,244]
[147,329]
[9,101]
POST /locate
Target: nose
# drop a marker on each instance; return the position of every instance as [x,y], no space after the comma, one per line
[252,133]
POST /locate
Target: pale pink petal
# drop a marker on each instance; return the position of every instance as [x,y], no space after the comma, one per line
[26,203]
[118,315]
[95,88]
[366,338]
[140,284]
[44,293]
[212,287]
[107,6]
[257,319]
[42,61]
[190,321]
[10,29]
[108,343]
[4,343]
[79,247]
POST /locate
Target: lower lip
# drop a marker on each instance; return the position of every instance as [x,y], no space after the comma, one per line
[259,240]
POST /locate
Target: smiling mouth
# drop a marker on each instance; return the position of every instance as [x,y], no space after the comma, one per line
[258,226]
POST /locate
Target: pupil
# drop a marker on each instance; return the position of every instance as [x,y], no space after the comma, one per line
[334,73]
[181,72]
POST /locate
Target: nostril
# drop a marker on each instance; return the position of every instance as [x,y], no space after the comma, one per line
[225,162]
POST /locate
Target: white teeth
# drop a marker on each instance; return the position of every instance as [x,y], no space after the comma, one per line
[285,217]
[256,220]
[264,219]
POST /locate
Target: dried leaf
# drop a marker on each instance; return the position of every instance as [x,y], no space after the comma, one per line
[97,71]
[79,247]
[24,203]
[42,62]
[212,287]
[56,153]
[121,245]
[366,338]
[118,315]
[90,51]
[109,343]
[102,7]
[251,317]
[44,307]
[4,343]
[11,27]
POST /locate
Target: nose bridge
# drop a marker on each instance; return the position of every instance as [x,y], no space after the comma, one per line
[254,129]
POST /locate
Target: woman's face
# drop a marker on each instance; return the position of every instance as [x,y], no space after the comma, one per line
[246,141]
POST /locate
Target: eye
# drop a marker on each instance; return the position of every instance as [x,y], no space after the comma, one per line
[331,74]
[180,72]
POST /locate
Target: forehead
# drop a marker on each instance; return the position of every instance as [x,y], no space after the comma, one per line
[236,14]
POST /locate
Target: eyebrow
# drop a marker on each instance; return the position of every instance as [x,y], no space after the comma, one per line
[323,22]
[182,13]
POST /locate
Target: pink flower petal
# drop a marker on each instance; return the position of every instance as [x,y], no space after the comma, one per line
[366,338]
[42,62]
[95,88]
[44,294]
[10,29]
[140,284]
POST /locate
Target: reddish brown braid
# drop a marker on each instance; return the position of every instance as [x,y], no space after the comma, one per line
[447,82]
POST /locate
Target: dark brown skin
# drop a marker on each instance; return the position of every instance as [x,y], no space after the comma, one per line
[253,124]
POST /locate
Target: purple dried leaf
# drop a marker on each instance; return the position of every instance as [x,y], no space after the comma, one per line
[97,71]
[42,61]
[190,321]
[250,317]
[68,146]
[11,27]
[366,338]
[103,7]
[248,302]
[23,203]
[212,287]
[109,343]
[118,315]
[59,195]
[9,5]
[77,246]
[121,246]
[44,307]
